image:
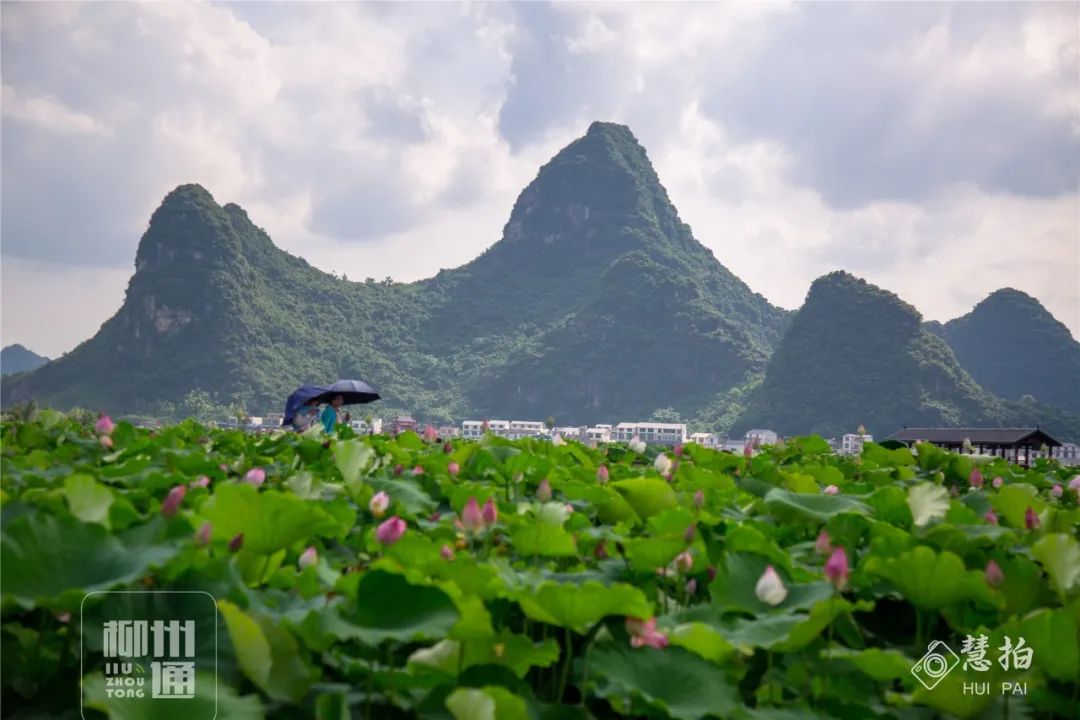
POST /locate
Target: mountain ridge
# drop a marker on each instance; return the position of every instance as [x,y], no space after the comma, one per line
[17,358]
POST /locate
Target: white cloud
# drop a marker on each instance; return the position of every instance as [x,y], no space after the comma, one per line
[49,113]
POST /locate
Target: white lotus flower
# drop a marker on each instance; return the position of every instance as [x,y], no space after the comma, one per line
[662,464]
[770,588]
[636,445]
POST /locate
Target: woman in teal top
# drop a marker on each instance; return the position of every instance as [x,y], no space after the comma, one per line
[329,415]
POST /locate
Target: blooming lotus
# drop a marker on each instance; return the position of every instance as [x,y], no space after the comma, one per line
[831,490]
[202,537]
[1031,520]
[489,513]
[770,588]
[998,481]
[684,561]
[836,569]
[636,445]
[662,464]
[975,479]
[543,491]
[1057,491]
[430,434]
[472,518]
[643,633]
[104,425]
[602,474]
[172,501]
[255,477]
[824,543]
[380,501]
[390,531]
[308,558]
[453,468]
[994,576]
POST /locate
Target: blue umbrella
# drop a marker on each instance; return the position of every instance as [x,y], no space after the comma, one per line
[354,392]
[298,398]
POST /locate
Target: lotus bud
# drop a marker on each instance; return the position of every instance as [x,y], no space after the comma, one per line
[472,518]
[569,509]
[954,491]
[662,464]
[748,450]
[390,531]
[543,491]
[489,513]
[236,543]
[308,558]
[202,537]
[430,434]
[380,501]
[699,499]
[602,475]
[691,531]
[991,517]
[674,468]
[417,471]
[994,576]
[998,482]
[836,569]
[201,482]
[1057,491]
[1074,484]
[172,501]
[770,588]
[106,442]
[484,426]
[255,477]
[447,552]
[643,633]
[600,551]
[1031,520]
[104,425]
[64,617]
[975,479]
[831,490]
[823,544]
[447,448]
[678,449]
[691,586]
[398,469]
[684,561]
[710,572]
[453,468]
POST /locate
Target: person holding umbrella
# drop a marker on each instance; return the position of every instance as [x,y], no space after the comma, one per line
[331,414]
[344,392]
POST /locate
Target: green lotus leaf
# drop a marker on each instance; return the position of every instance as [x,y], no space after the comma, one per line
[352,458]
[488,703]
[733,588]
[88,499]
[579,607]
[648,496]
[267,653]
[211,697]
[1060,555]
[1052,634]
[545,539]
[881,665]
[1012,501]
[812,509]
[930,580]
[389,607]
[927,502]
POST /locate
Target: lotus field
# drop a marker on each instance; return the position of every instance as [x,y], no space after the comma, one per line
[376,577]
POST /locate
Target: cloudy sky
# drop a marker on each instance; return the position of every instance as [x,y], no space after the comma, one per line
[933,149]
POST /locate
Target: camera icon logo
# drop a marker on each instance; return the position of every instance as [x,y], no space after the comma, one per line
[932,667]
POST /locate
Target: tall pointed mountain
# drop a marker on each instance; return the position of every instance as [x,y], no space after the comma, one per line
[1014,347]
[595,273]
[855,354]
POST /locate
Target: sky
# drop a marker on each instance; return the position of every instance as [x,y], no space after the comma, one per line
[931,148]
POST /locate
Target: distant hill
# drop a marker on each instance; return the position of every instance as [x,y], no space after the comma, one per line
[17,359]
[1014,347]
[856,354]
[596,301]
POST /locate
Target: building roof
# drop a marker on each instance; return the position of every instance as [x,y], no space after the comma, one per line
[670,426]
[978,436]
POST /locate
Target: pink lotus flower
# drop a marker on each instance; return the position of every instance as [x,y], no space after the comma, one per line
[172,501]
[602,474]
[104,425]
[1074,484]
[543,491]
[453,469]
[997,482]
[106,442]
[994,576]
[831,490]
[484,426]
[417,471]
[824,543]
[447,448]
[430,434]
[699,499]
[678,449]
[398,469]
[991,517]
[770,588]
[202,537]
[472,518]
[748,450]
[236,543]
[201,482]
[223,468]
[446,552]
[1057,491]
[1031,520]
[691,586]
[255,477]
[643,633]
[569,509]
[975,479]
[308,558]
[684,561]
[489,513]
[390,531]
[836,569]
[378,504]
